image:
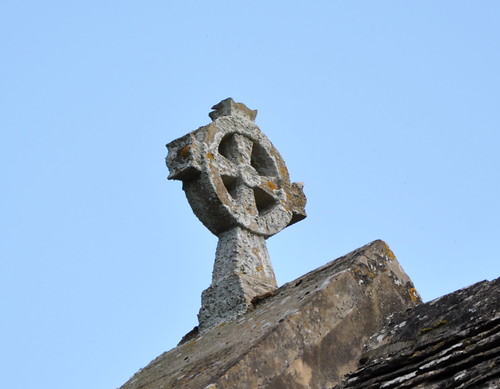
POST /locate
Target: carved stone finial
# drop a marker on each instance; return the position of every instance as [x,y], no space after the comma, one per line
[238,186]
[229,107]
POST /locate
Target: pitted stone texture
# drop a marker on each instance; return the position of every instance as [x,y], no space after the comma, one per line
[239,187]
[242,270]
[309,334]
[229,107]
[234,176]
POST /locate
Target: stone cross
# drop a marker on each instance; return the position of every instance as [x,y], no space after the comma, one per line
[239,187]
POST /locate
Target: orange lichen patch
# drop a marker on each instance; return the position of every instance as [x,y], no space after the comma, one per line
[284,171]
[390,252]
[184,153]
[416,354]
[437,325]
[413,295]
[364,272]
[221,325]
[255,250]
[259,268]
[438,346]
[210,156]
[271,185]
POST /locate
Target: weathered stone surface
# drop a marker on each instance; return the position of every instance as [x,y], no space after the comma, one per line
[451,342]
[234,176]
[309,334]
[238,186]
[229,107]
[237,281]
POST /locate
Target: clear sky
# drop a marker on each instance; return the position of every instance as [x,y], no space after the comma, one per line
[388,111]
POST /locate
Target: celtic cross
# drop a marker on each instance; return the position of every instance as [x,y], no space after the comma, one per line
[239,187]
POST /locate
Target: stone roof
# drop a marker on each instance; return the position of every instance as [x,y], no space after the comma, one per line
[356,322]
[308,334]
[451,342]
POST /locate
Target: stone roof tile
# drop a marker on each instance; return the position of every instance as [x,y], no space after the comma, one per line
[450,342]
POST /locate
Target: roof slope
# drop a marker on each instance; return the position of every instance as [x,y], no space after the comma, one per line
[450,342]
[309,334]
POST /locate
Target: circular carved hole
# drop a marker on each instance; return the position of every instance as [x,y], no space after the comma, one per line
[263,200]
[227,148]
[262,161]
[230,184]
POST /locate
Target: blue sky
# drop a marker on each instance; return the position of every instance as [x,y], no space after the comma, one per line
[387,111]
